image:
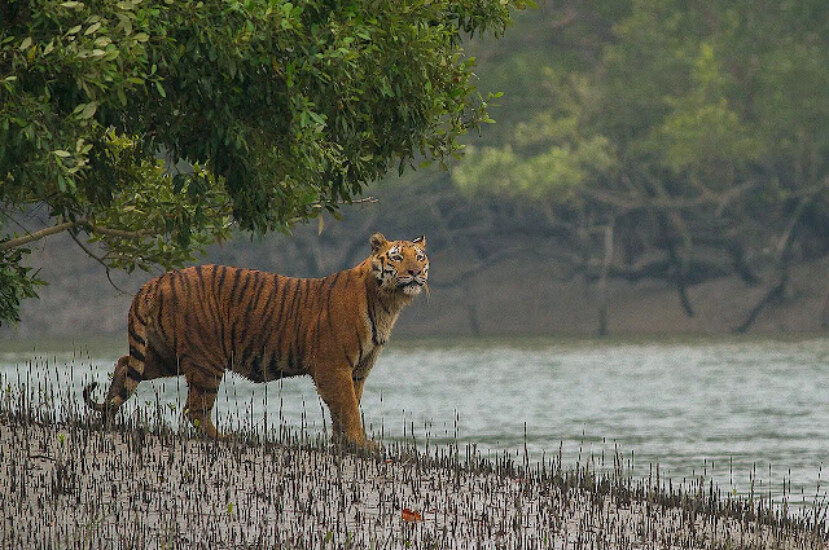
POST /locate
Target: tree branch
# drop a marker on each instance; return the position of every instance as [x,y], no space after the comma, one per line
[120,232]
[36,236]
[100,261]
[64,226]
[665,203]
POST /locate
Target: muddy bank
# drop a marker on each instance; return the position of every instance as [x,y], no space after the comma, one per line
[74,485]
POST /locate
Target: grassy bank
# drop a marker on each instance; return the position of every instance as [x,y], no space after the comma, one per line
[69,483]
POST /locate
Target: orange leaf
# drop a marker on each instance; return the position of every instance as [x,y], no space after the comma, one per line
[411,515]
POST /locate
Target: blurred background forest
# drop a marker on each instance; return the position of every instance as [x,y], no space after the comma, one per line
[657,167]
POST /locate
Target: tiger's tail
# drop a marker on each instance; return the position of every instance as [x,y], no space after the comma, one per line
[87,398]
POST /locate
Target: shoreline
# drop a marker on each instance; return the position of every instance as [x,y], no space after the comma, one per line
[74,485]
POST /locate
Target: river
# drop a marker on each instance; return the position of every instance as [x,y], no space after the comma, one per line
[750,415]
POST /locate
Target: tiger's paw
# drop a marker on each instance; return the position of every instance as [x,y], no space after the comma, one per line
[363,447]
[371,447]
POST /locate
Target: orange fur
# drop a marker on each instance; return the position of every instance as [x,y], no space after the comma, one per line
[201,321]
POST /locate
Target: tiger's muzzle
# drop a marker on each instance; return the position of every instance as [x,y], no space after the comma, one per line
[411,284]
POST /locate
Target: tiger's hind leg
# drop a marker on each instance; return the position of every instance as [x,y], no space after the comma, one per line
[129,370]
[203,387]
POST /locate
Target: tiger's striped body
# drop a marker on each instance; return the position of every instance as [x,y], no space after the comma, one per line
[202,321]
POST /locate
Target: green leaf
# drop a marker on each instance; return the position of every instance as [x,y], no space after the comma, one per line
[289,117]
[88,110]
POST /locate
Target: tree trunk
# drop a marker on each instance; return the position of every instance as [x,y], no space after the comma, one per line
[602,290]
[781,257]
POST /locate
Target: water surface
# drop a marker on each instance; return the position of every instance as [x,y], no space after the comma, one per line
[744,413]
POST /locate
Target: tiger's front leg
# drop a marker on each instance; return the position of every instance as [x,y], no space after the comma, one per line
[336,388]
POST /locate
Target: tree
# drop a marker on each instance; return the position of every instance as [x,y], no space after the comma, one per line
[686,142]
[150,126]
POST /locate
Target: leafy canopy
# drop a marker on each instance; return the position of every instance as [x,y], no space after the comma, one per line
[669,139]
[648,109]
[149,126]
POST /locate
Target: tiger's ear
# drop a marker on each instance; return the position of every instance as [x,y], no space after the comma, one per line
[420,241]
[377,240]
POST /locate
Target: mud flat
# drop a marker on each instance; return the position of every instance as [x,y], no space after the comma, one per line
[72,484]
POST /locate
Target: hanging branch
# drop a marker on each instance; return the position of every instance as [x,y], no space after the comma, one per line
[100,261]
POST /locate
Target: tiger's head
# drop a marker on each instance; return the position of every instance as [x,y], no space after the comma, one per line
[400,266]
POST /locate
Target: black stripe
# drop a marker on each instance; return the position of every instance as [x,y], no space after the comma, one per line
[174,305]
[221,315]
[256,370]
[306,285]
[174,340]
[124,393]
[348,360]
[136,314]
[244,288]
[266,323]
[244,335]
[291,359]
[318,339]
[291,312]
[370,310]
[359,343]
[318,333]
[258,285]
[135,337]
[280,319]
[236,276]
[137,354]
[202,299]
[273,366]
[159,315]
[328,311]
[248,349]
[142,294]
[246,353]
[134,374]
[333,282]
[358,378]
[297,344]
[173,291]
[267,307]
[213,309]
[199,290]
[221,280]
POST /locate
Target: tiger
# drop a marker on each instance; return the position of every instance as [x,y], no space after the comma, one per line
[202,321]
